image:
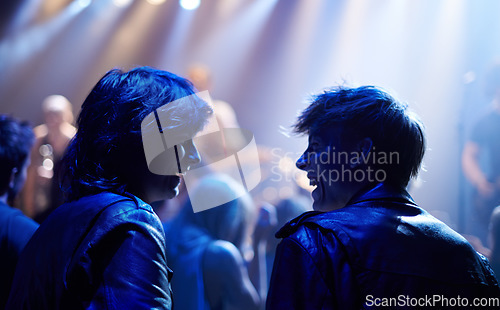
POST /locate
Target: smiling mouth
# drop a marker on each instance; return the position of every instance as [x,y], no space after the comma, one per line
[175,181]
[312,181]
[316,191]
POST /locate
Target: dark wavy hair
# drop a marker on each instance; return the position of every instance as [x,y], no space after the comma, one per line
[371,112]
[108,140]
[16,140]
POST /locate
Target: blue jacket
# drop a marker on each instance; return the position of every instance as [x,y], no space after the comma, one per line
[380,249]
[104,251]
[16,230]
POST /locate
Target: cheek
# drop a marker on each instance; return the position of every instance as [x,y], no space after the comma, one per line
[21,178]
[165,163]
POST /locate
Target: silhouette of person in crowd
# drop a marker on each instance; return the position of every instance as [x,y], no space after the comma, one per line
[16,140]
[484,146]
[208,250]
[42,193]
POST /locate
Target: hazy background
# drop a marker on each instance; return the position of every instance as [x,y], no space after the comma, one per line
[267,57]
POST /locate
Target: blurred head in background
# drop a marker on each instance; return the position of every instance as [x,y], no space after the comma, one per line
[16,140]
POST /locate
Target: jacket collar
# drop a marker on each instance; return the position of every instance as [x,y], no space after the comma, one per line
[372,192]
[382,191]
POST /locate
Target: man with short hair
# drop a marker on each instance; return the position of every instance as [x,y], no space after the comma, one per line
[367,243]
[16,229]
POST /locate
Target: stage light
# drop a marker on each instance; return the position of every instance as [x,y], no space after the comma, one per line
[189,4]
[84,3]
[156,2]
[122,3]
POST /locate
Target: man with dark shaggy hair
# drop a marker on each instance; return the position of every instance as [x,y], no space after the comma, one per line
[105,247]
[16,229]
[367,243]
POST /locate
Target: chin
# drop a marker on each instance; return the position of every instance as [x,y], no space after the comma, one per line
[166,187]
[171,188]
[171,193]
[325,206]
[165,195]
[317,206]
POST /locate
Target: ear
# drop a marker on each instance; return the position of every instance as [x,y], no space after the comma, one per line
[12,177]
[365,145]
[362,148]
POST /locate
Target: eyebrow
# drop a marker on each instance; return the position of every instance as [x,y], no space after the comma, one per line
[314,139]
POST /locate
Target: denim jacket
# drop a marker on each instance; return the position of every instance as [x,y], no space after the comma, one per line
[105,251]
[380,249]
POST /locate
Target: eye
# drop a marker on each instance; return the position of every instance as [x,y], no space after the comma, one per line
[188,144]
[181,151]
[313,145]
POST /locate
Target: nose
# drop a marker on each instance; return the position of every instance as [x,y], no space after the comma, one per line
[302,162]
[192,155]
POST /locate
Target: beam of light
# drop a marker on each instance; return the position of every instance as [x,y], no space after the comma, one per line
[241,32]
[156,2]
[27,11]
[438,84]
[83,3]
[304,28]
[122,3]
[444,52]
[386,42]
[189,4]
[19,48]
[175,46]
[226,9]
[346,46]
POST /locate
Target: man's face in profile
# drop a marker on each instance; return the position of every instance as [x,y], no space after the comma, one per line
[326,161]
[182,155]
[169,149]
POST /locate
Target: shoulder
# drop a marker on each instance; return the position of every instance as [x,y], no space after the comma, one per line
[312,236]
[7,212]
[293,225]
[14,219]
[105,213]
[69,130]
[224,263]
[113,226]
[347,228]
[10,214]
[222,255]
[16,227]
[122,205]
[40,131]
[128,212]
[314,225]
[223,266]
